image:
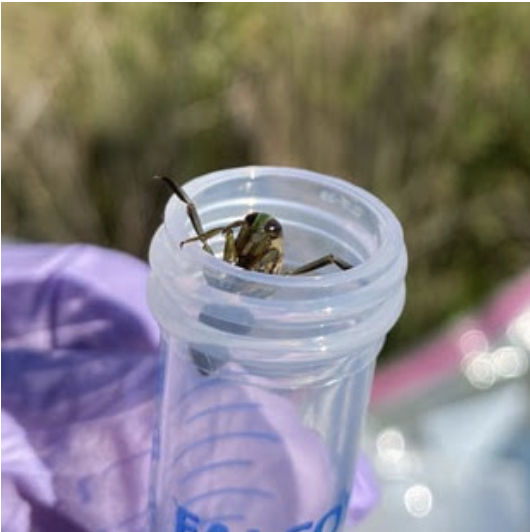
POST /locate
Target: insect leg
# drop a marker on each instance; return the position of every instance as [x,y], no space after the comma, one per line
[230,251]
[320,263]
[192,213]
[270,262]
[204,236]
[190,206]
[191,210]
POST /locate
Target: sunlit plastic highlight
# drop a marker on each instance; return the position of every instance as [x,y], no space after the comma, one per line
[519,330]
[390,445]
[480,372]
[418,500]
[473,341]
[510,362]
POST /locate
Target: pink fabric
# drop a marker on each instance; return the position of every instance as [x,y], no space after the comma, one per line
[442,355]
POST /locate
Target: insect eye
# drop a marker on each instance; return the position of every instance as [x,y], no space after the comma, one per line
[273,228]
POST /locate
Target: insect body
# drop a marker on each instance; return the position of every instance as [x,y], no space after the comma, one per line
[258,245]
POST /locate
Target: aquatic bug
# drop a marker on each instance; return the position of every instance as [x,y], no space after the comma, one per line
[258,245]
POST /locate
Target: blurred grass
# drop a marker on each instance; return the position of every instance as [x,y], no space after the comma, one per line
[425,105]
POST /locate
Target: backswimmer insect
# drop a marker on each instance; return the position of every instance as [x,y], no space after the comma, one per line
[258,245]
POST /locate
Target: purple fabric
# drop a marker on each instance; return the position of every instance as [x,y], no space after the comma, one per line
[225,426]
[79,371]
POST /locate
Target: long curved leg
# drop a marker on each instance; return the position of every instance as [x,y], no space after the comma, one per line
[326,260]
[190,206]
[214,231]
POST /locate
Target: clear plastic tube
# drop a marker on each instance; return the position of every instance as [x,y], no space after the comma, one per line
[266,378]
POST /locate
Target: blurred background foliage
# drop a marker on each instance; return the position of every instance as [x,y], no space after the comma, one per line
[425,105]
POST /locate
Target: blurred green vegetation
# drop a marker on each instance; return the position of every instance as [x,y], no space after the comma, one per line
[426,105]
